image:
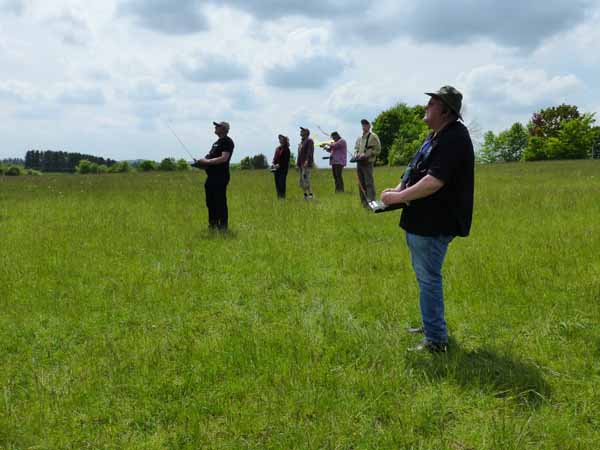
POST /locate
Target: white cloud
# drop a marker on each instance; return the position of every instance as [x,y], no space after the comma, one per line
[313,72]
[165,16]
[16,7]
[203,67]
[148,90]
[354,101]
[72,29]
[16,91]
[82,95]
[517,88]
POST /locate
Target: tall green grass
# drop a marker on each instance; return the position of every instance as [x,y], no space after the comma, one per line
[125,324]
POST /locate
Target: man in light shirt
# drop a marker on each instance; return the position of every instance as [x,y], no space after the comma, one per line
[366,150]
[337,159]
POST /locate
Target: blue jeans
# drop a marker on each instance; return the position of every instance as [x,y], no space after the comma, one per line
[427,254]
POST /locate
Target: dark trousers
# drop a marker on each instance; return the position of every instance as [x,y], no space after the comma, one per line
[216,202]
[280,182]
[366,186]
[337,170]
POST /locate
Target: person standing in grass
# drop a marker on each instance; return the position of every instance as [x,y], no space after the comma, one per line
[216,165]
[281,163]
[438,188]
[305,161]
[366,149]
[337,160]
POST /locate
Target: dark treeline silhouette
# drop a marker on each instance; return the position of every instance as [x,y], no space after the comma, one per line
[58,161]
[14,161]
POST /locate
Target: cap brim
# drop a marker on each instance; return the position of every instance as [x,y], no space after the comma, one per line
[436,95]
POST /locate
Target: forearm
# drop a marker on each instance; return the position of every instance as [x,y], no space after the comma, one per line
[215,161]
[424,188]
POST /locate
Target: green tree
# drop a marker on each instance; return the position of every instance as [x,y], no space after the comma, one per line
[84,167]
[596,146]
[147,165]
[246,163]
[13,171]
[167,165]
[547,122]
[575,139]
[260,161]
[403,149]
[535,150]
[488,153]
[399,128]
[512,142]
[182,164]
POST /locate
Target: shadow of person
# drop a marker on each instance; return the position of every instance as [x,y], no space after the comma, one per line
[501,374]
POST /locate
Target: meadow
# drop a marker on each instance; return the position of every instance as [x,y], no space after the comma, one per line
[124,324]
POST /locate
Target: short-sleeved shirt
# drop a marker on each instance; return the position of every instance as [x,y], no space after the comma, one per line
[448,157]
[338,151]
[220,171]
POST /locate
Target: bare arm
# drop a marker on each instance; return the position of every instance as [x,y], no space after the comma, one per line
[218,160]
[427,186]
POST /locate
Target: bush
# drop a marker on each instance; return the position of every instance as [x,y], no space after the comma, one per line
[147,165]
[182,164]
[33,172]
[120,167]
[84,167]
[102,168]
[13,171]
[168,165]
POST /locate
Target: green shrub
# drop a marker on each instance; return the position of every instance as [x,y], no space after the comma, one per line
[168,165]
[147,165]
[182,164]
[33,172]
[84,167]
[13,171]
[120,167]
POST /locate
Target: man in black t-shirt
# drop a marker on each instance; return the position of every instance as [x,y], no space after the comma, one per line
[216,165]
[438,189]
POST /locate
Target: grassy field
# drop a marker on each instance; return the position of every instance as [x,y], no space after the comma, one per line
[125,324]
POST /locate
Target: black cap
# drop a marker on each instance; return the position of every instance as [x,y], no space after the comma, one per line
[365,122]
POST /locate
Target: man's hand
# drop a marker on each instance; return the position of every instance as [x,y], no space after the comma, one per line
[392,196]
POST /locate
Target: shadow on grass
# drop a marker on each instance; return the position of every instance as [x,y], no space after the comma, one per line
[502,375]
[218,235]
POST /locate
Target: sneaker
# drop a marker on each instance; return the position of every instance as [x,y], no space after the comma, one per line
[310,196]
[305,196]
[415,330]
[431,347]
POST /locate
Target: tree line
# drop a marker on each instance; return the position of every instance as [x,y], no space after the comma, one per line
[60,161]
[558,132]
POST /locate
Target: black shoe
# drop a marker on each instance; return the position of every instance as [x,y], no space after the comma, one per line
[415,330]
[431,347]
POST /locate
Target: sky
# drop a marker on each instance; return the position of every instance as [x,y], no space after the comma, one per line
[109,77]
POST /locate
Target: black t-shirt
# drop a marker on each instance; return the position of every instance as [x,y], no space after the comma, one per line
[220,171]
[449,211]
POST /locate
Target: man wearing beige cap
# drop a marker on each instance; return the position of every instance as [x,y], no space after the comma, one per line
[437,188]
[216,165]
[366,149]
